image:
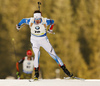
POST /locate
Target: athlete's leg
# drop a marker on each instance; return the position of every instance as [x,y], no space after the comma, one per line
[47,46]
[36,53]
[36,47]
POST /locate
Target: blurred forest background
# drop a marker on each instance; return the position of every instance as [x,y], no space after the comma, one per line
[76,42]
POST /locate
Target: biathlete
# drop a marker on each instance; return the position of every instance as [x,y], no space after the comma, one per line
[28,66]
[39,39]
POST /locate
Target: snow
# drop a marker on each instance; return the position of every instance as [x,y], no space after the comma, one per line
[49,82]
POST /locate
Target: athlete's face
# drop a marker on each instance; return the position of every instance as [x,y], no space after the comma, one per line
[29,56]
[37,20]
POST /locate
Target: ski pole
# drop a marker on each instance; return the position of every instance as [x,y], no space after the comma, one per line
[14,48]
[13,42]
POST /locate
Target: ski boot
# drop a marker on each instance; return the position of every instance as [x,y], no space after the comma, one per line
[36,76]
[66,71]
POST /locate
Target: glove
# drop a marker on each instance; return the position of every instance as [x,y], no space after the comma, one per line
[18,74]
[50,31]
[17,27]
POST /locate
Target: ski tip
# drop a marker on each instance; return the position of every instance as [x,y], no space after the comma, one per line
[73,78]
[31,80]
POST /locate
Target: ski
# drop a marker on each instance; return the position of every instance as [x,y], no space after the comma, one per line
[76,78]
[32,80]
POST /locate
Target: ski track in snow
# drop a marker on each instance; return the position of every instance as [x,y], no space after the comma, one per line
[50,82]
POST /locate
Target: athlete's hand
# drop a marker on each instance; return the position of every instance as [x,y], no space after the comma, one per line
[17,73]
[50,31]
[17,27]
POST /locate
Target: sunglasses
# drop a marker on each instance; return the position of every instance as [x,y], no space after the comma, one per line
[37,18]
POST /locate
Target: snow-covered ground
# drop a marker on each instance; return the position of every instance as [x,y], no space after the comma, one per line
[50,82]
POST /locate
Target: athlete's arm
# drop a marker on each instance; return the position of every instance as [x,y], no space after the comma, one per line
[51,23]
[23,21]
[19,62]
